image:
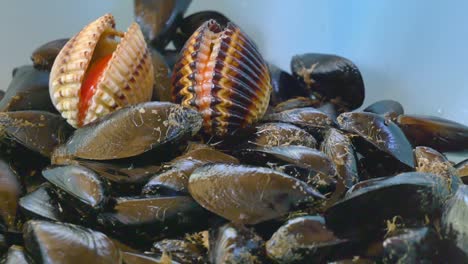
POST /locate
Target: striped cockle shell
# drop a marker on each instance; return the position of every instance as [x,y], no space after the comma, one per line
[127,78]
[221,74]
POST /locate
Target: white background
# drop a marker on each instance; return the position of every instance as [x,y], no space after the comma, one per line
[413,51]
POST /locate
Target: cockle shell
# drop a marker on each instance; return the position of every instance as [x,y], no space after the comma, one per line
[126,80]
[221,74]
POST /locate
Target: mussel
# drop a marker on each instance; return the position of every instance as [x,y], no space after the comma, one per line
[248,195]
[435,132]
[130,131]
[16,255]
[282,134]
[330,77]
[10,191]
[49,242]
[305,239]
[44,56]
[29,90]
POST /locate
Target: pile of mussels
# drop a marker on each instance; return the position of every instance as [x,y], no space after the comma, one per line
[117,149]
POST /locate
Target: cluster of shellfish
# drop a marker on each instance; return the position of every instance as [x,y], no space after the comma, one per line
[117,149]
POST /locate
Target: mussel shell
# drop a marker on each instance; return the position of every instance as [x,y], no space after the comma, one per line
[81,183]
[39,204]
[235,89]
[49,242]
[10,191]
[29,90]
[333,77]
[297,102]
[140,258]
[16,255]
[44,56]
[339,148]
[435,132]
[192,22]
[154,215]
[235,244]
[412,245]
[182,251]
[123,178]
[158,19]
[305,239]
[284,85]
[385,107]
[130,131]
[308,118]
[38,131]
[162,80]
[282,134]
[412,196]
[382,134]
[170,56]
[431,161]
[175,180]
[248,195]
[462,170]
[454,225]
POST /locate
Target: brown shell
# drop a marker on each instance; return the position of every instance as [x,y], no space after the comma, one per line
[221,74]
[127,79]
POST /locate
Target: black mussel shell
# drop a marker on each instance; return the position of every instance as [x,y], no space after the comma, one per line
[10,191]
[411,245]
[306,164]
[40,204]
[44,56]
[339,148]
[431,161]
[140,258]
[384,107]
[462,170]
[412,196]
[175,180]
[331,77]
[182,251]
[246,194]
[49,242]
[158,19]
[435,132]
[308,118]
[170,56]
[454,225]
[235,244]
[2,94]
[384,135]
[122,178]
[306,239]
[29,90]
[130,131]
[284,86]
[191,23]
[38,131]
[155,216]
[282,134]
[16,255]
[162,80]
[83,184]
[297,102]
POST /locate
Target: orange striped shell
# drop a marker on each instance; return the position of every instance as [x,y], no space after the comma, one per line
[221,74]
[126,80]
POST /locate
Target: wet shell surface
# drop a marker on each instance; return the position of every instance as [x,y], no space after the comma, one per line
[221,74]
[94,74]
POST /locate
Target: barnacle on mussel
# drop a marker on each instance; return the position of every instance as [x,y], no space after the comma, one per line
[94,74]
[221,74]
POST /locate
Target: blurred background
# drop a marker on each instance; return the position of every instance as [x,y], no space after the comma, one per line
[411,51]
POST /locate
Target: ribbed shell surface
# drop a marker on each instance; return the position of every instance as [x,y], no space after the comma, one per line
[127,79]
[221,74]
